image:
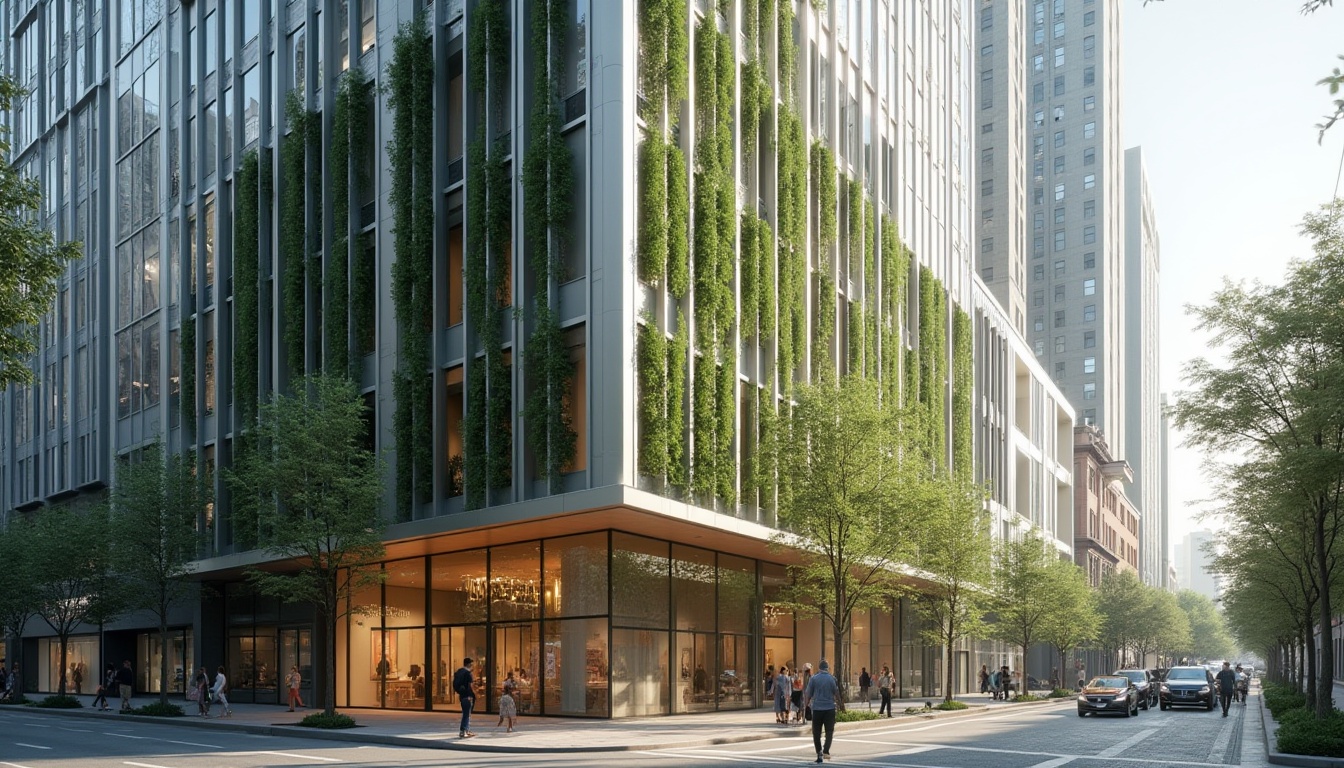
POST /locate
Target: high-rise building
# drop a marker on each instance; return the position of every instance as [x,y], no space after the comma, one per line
[1192,564]
[1106,522]
[1070,195]
[733,197]
[1142,393]
[1169,567]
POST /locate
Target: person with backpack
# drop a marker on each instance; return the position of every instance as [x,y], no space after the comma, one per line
[865,681]
[463,686]
[220,691]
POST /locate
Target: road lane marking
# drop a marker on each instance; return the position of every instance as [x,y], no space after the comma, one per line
[77,730]
[194,744]
[703,757]
[124,735]
[143,765]
[31,746]
[14,765]
[293,754]
[1058,761]
[1115,749]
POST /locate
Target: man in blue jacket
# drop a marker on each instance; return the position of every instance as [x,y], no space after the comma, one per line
[821,695]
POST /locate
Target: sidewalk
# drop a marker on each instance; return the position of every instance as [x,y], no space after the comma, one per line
[438,730]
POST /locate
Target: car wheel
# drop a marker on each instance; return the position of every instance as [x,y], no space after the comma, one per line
[1081,713]
[1128,712]
[1164,707]
[1145,703]
[1210,707]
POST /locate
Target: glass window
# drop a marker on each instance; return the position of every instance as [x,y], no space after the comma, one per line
[1059,240]
[1059,191]
[1059,87]
[1090,286]
[575,575]
[737,593]
[458,587]
[1089,76]
[1089,46]
[1089,208]
[1089,260]
[1089,339]
[1089,18]
[575,668]
[640,581]
[1089,234]
[1039,346]
[1059,344]
[1059,56]
[1058,29]
[251,105]
[515,582]
[1059,268]
[1059,318]
[1038,93]
[1090,156]
[1089,103]
[1038,299]
[986,187]
[1089,313]
[1090,390]
[1038,221]
[639,674]
[1089,365]
[693,581]
[1038,63]
[211,41]
[986,245]
[368,27]
[1089,181]
[251,18]
[1059,293]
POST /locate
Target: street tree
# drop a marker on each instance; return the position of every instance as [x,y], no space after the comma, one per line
[1121,601]
[71,562]
[1023,602]
[851,501]
[1162,626]
[18,603]
[155,507]
[1274,400]
[311,490]
[1209,637]
[30,259]
[1074,620]
[955,555]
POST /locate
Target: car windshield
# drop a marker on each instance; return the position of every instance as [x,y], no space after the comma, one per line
[1186,674]
[1135,675]
[1109,682]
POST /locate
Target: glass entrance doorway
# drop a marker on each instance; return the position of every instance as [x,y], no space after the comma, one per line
[516,650]
[697,658]
[296,649]
[451,646]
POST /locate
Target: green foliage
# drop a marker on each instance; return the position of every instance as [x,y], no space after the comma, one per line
[933,361]
[1300,733]
[31,261]
[314,494]
[850,508]
[653,427]
[246,289]
[18,603]
[327,720]
[1073,620]
[791,264]
[823,175]
[854,236]
[60,702]
[855,715]
[751,273]
[678,56]
[410,78]
[347,300]
[765,280]
[18,700]
[1061,693]
[155,507]
[652,251]
[963,382]
[895,275]
[823,363]
[1282,698]
[1023,600]
[547,186]
[678,223]
[187,343]
[953,704]
[676,395]
[954,547]
[1209,638]
[358,90]
[1024,697]
[293,231]
[158,709]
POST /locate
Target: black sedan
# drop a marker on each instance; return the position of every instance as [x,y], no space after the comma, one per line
[1189,687]
[1113,693]
[1142,680]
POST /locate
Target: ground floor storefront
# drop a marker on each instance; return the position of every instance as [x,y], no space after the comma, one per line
[599,621]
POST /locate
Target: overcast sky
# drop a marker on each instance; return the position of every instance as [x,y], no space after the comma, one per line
[1222,96]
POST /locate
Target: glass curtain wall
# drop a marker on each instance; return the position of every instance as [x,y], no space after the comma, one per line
[82,664]
[149,655]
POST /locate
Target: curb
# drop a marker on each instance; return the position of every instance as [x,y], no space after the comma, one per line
[1276,757]
[355,735]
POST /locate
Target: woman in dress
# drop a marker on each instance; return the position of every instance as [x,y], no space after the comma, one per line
[783,686]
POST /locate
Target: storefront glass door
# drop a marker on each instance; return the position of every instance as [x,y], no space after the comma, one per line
[296,649]
[451,646]
[516,650]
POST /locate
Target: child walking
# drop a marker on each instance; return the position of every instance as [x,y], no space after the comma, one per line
[508,707]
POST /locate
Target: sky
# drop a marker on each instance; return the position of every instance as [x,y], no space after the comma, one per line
[1222,96]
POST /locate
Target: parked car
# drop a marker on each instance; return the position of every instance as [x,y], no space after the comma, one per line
[1112,693]
[1144,682]
[1188,687]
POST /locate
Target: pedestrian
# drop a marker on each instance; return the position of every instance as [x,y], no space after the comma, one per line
[796,694]
[984,678]
[820,696]
[508,707]
[466,695]
[996,684]
[1227,686]
[884,690]
[14,683]
[1054,679]
[865,681]
[1082,678]
[783,686]
[100,693]
[293,681]
[201,685]
[125,679]
[77,675]
[220,691]
[1005,681]
[807,677]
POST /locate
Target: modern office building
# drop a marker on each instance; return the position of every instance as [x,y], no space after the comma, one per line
[1066,185]
[1193,559]
[270,189]
[1106,522]
[1164,473]
[1142,393]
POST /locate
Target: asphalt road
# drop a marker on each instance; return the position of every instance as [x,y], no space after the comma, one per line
[1034,737]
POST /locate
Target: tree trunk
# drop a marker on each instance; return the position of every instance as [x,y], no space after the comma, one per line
[1324,701]
[163,657]
[837,666]
[329,664]
[1309,665]
[950,673]
[60,687]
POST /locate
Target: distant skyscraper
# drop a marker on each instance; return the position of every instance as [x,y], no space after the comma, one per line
[1050,216]
[1192,564]
[1167,564]
[1142,406]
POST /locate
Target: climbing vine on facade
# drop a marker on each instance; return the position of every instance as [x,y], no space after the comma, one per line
[246,289]
[547,186]
[963,378]
[410,96]
[293,228]
[653,394]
